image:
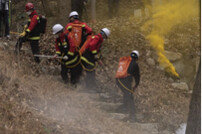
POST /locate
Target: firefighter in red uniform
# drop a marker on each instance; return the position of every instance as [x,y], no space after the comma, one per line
[128,68]
[79,30]
[65,48]
[32,33]
[89,51]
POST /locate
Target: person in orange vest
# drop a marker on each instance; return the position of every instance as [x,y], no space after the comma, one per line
[79,30]
[66,49]
[90,51]
[127,70]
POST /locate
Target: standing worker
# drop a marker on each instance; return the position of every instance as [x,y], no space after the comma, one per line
[31,31]
[89,51]
[4,16]
[71,60]
[128,68]
[78,30]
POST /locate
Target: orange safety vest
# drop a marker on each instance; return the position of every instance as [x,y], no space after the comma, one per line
[124,63]
[76,33]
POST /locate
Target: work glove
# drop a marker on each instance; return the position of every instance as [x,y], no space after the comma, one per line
[23,34]
[65,58]
[25,27]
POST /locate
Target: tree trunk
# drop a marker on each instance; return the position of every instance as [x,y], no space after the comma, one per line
[113,8]
[194,119]
[65,9]
[93,10]
[78,5]
[47,8]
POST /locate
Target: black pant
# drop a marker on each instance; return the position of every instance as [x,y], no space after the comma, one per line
[75,73]
[4,17]
[128,99]
[64,73]
[35,49]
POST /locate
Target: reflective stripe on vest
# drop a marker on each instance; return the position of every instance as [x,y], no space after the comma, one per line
[71,61]
[34,38]
[94,52]
[70,53]
[69,27]
[88,62]
[58,52]
[28,30]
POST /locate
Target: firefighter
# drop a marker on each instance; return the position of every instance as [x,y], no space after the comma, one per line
[65,47]
[31,31]
[79,30]
[90,51]
[128,68]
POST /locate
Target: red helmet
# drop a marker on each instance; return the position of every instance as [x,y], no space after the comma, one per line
[29,6]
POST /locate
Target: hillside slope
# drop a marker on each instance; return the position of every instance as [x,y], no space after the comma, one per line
[34,99]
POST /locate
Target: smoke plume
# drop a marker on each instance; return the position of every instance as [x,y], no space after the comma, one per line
[165,16]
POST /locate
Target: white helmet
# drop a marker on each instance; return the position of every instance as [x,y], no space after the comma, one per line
[57,28]
[136,53]
[74,13]
[106,31]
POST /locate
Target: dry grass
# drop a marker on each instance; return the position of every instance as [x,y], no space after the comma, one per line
[15,115]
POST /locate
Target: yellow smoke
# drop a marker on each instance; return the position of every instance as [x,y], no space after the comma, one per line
[166,15]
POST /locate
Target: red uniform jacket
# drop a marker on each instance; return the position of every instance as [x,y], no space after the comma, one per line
[94,44]
[90,49]
[65,45]
[33,21]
